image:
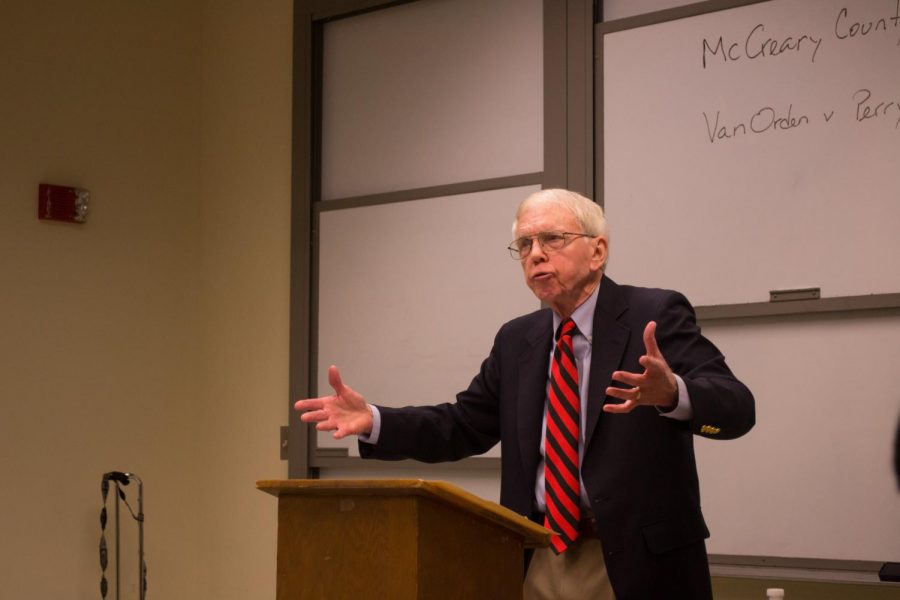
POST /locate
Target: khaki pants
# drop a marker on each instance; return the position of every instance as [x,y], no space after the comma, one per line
[579,573]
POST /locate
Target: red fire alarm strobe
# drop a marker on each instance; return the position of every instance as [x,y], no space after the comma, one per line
[62,203]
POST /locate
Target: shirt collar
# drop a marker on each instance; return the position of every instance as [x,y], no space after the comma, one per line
[583,315]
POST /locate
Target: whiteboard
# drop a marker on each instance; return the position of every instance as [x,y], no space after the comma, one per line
[706,197]
[779,123]
[411,295]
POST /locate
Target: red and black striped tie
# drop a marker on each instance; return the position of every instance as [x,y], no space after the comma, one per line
[562,490]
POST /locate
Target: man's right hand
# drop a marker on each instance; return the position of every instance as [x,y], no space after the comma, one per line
[345,413]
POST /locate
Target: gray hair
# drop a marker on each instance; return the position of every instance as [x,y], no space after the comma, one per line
[588,213]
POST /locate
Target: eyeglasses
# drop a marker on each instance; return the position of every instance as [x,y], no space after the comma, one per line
[549,241]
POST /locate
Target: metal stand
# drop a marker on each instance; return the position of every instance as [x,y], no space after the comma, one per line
[118,545]
[142,568]
[122,479]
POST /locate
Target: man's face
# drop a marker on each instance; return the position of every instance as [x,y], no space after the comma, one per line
[563,278]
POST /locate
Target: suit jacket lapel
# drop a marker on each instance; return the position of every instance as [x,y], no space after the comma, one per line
[533,365]
[610,339]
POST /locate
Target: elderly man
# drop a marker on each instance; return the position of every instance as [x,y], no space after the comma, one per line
[595,401]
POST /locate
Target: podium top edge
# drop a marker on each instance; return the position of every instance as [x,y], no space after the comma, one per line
[534,535]
[278,487]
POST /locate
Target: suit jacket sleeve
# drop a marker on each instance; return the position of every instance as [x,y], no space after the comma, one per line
[723,406]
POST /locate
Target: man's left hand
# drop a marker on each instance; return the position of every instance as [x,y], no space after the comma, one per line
[656,386]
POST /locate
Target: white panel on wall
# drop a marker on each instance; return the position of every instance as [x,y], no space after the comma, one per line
[411,295]
[814,478]
[430,93]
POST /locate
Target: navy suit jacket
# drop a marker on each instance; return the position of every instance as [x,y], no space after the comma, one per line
[638,468]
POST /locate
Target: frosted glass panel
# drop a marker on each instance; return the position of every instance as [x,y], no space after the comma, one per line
[411,295]
[619,9]
[430,93]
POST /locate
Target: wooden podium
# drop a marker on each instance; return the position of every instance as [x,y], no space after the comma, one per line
[396,539]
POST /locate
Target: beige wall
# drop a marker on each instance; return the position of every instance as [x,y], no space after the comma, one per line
[245,267]
[153,338]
